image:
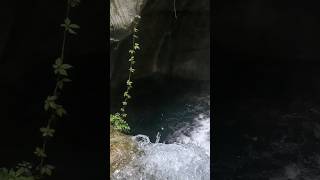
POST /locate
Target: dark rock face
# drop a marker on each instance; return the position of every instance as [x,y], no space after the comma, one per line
[173,43]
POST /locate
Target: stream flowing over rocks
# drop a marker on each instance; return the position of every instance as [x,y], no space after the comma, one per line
[176,144]
[166,161]
[174,37]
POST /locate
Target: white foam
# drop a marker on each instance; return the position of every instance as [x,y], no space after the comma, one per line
[185,157]
[197,133]
[166,162]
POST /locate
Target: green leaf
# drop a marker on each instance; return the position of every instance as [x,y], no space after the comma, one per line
[74,26]
[129,83]
[125,94]
[66,80]
[52,98]
[52,105]
[117,122]
[40,152]
[66,66]
[46,170]
[131,51]
[74,3]
[50,102]
[71,31]
[19,172]
[61,69]
[131,69]
[131,58]
[58,61]
[62,72]
[67,21]
[68,26]
[25,165]
[136,46]
[124,115]
[47,132]
[60,111]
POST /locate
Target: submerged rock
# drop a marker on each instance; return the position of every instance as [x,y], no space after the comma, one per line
[122,150]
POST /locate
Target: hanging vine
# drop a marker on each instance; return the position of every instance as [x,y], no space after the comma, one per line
[51,106]
[24,170]
[118,120]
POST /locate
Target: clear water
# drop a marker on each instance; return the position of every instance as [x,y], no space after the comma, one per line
[179,148]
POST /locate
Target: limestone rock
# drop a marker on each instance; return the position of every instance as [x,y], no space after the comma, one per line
[122,150]
[173,43]
[122,13]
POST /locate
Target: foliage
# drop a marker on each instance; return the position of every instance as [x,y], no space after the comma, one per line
[11,174]
[119,123]
[55,110]
[24,171]
[21,172]
[117,120]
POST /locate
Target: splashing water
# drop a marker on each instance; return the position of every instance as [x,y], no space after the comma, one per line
[197,133]
[166,161]
[185,151]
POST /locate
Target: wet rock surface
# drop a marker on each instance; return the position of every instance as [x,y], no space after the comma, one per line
[122,150]
[174,40]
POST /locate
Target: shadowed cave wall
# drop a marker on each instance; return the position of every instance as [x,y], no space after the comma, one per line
[176,47]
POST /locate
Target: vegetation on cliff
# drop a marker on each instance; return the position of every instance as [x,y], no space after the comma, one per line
[118,120]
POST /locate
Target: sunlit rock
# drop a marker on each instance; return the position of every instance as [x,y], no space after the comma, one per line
[122,149]
[122,14]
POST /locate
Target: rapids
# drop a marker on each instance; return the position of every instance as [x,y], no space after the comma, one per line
[180,149]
